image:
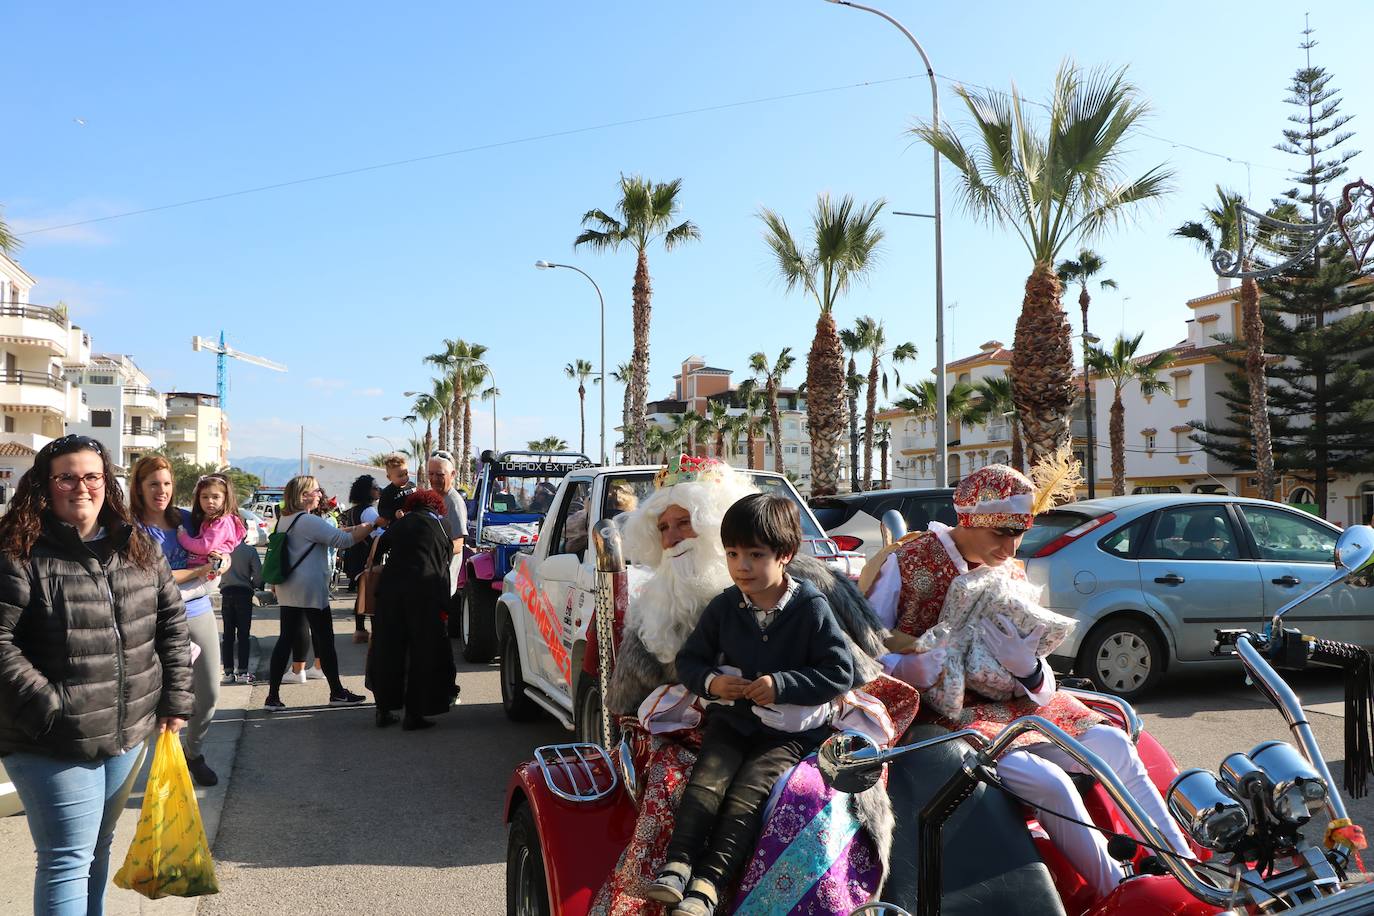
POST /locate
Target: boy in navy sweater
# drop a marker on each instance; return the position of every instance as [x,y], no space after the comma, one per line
[792,660]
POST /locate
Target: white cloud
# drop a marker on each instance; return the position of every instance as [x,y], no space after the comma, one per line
[34,228]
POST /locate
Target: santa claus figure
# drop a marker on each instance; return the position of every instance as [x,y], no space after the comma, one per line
[907,587]
[675,533]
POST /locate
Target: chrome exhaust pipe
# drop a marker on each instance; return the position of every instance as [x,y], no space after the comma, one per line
[610,582]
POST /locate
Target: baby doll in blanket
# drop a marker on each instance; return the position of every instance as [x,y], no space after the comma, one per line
[983,598]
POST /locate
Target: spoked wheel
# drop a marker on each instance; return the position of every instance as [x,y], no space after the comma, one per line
[527,892]
[1122,657]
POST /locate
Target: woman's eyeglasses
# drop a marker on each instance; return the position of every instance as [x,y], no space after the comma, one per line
[69,482]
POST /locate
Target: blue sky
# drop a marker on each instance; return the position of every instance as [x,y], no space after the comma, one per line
[350,281]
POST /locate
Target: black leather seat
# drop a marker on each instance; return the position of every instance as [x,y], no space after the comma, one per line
[990,864]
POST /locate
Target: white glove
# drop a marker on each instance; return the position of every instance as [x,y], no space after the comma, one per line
[785,717]
[921,669]
[1013,651]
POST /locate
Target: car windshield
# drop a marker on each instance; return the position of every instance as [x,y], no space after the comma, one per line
[512,495]
[1048,526]
[831,513]
[625,491]
[524,483]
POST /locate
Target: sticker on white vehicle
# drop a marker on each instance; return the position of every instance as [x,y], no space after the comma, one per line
[541,609]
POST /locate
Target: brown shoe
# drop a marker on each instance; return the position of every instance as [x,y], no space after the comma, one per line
[360,636]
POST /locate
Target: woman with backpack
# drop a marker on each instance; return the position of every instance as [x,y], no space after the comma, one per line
[95,657]
[299,570]
[362,498]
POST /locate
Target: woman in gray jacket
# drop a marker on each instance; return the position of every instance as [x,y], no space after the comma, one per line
[305,591]
[94,657]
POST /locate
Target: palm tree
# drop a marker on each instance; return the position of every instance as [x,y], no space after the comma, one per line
[658,441]
[428,408]
[473,376]
[751,401]
[548,444]
[456,360]
[884,437]
[874,335]
[1052,188]
[1121,366]
[443,393]
[647,210]
[621,375]
[996,400]
[9,242]
[771,376]
[844,246]
[1220,229]
[580,369]
[853,342]
[922,398]
[686,425]
[717,421]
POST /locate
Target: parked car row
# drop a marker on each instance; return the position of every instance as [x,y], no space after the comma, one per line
[1150,578]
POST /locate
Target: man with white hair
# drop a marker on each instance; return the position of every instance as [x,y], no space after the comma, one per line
[442,474]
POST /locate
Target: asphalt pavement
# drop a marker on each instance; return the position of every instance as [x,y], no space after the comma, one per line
[319,811]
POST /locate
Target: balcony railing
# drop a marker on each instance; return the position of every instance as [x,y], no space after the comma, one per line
[41,312]
[131,430]
[135,391]
[28,377]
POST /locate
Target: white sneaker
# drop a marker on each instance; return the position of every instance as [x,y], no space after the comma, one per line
[293,677]
[314,674]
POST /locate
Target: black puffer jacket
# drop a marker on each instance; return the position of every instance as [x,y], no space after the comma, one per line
[90,654]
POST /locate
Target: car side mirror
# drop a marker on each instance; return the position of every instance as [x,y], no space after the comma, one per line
[562,567]
[1355,555]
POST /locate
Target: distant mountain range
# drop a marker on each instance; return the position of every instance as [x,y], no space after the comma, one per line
[274,472]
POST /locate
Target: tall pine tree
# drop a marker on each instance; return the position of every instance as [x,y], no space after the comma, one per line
[1321,395]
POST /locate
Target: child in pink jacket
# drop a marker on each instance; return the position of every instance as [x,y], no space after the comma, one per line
[216,517]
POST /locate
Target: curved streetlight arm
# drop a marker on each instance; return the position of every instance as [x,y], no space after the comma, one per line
[941,384]
[546,265]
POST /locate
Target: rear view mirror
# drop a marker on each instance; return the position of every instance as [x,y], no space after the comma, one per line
[1355,555]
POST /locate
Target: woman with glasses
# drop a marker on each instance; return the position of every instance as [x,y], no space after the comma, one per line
[94,657]
[305,591]
[151,487]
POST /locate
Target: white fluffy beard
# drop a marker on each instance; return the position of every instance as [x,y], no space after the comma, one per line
[670,604]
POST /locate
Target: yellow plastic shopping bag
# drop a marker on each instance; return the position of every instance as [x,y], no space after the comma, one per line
[169,856]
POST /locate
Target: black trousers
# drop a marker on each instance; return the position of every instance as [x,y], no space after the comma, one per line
[721,812]
[321,626]
[236,610]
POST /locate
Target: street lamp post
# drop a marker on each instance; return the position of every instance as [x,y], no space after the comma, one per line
[941,385]
[1088,341]
[548,265]
[386,440]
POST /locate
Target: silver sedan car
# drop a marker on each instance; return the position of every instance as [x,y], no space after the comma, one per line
[1150,579]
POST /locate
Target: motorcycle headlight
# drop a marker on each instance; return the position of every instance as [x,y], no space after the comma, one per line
[1202,805]
[1298,791]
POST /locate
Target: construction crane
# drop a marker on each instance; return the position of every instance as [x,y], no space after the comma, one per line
[224,353]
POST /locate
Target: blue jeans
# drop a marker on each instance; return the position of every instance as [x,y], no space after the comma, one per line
[72,808]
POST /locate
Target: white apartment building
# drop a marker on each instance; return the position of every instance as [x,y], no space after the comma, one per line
[126,414]
[196,428]
[1160,456]
[38,344]
[696,386]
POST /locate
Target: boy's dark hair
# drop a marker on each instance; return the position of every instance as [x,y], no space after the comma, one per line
[765,521]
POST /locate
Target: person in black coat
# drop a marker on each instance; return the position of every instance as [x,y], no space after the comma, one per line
[769,656]
[410,661]
[95,657]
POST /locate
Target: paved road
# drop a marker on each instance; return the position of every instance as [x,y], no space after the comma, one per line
[324,813]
